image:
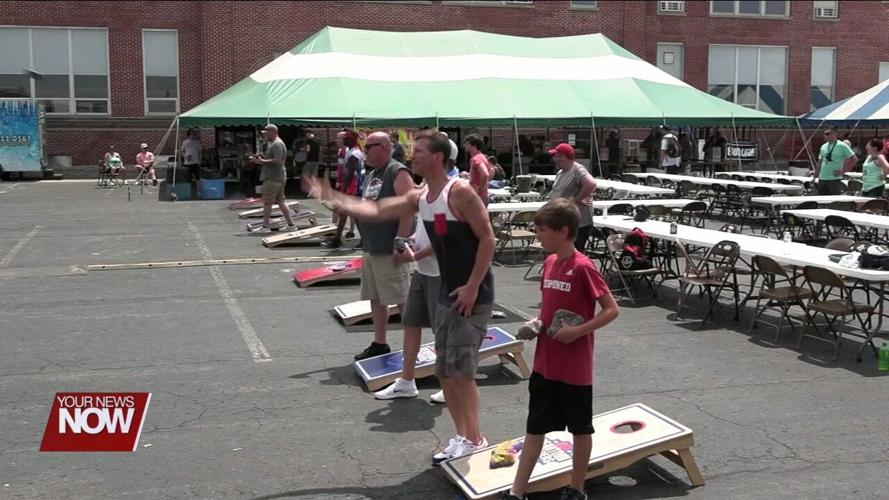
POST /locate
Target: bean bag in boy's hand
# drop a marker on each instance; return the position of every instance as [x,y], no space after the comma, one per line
[564,317]
[529,330]
[505,453]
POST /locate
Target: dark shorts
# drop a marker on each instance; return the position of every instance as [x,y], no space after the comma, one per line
[583,235]
[554,405]
[422,301]
[833,187]
[876,192]
[673,169]
[194,171]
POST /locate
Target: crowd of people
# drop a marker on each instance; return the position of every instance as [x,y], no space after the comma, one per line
[428,248]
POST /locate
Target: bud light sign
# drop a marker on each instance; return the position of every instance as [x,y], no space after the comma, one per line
[95,421]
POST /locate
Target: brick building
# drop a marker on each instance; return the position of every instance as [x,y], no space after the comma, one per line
[116,72]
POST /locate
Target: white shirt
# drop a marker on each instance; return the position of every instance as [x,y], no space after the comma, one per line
[427,266]
[668,161]
[191,150]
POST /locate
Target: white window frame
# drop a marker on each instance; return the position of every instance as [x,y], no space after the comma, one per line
[762,10]
[145,98]
[496,3]
[758,71]
[881,63]
[662,3]
[836,12]
[72,100]
[833,97]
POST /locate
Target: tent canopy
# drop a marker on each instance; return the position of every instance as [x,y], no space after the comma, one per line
[464,78]
[870,107]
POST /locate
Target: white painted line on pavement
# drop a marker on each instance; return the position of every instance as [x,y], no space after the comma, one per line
[18,247]
[254,345]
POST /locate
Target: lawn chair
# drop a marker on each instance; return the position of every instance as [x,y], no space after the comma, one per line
[832,298]
[782,297]
[713,273]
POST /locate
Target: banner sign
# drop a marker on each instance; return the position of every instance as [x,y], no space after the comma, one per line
[20,136]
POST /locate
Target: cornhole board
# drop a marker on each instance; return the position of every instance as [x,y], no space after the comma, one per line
[246,204]
[358,311]
[379,371]
[622,438]
[301,236]
[281,222]
[276,212]
[336,271]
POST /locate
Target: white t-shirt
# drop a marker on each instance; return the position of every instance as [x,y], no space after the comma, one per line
[191,150]
[668,161]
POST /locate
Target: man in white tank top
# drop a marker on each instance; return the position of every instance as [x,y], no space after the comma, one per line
[460,232]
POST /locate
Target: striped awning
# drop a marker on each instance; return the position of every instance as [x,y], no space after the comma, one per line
[870,107]
[464,78]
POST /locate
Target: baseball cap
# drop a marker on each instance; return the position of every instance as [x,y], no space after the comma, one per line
[563,149]
[454,149]
[271,126]
[143,146]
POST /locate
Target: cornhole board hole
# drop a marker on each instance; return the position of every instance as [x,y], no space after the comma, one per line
[379,371]
[623,437]
[358,311]
[281,222]
[337,271]
[301,236]
[276,212]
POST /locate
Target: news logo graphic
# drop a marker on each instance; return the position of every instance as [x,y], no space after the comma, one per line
[95,421]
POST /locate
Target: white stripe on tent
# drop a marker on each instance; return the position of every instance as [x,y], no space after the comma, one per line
[855,103]
[455,68]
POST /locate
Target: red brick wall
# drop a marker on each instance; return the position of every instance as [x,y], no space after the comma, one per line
[222,42]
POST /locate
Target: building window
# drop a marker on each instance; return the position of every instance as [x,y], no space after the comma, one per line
[826,9]
[671,6]
[823,76]
[492,3]
[750,8]
[749,75]
[585,4]
[65,69]
[884,71]
[160,61]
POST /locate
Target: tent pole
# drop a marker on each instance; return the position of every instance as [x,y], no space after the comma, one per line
[594,140]
[806,141]
[737,144]
[515,138]
[176,152]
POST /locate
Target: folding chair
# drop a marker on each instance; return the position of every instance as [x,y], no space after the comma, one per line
[878,206]
[614,245]
[713,273]
[629,178]
[800,231]
[756,215]
[621,209]
[517,227]
[692,214]
[832,298]
[840,227]
[846,206]
[853,187]
[840,244]
[782,297]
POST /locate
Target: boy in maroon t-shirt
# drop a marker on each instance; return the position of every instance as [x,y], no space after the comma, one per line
[561,387]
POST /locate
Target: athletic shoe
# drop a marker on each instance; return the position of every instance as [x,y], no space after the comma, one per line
[438,397]
[291,227]
[399,389]
[372,350]
[331,243]
[466,447]
[570,493]
[263,230]
[448,450]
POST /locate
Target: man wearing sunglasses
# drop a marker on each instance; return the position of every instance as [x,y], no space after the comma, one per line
[835,159]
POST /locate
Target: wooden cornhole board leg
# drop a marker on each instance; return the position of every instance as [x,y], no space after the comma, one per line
[332,272]
[379,371]
[276,212]
[614,448]
[281,222]
[358,311]
[301,236]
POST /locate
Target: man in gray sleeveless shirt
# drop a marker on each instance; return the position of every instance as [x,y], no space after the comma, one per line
[384,282]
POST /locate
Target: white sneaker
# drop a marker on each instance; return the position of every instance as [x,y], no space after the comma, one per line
[291,228]
[448,450]
[399,389]
[438,397]
[467,448]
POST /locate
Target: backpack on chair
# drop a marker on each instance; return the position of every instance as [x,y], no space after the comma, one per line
[634,255]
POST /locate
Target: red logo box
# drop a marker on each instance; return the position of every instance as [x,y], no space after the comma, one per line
[95,421]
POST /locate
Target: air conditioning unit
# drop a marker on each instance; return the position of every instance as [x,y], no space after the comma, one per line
[671,6]
[826,12]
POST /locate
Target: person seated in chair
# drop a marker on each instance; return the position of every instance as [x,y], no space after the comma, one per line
[113,164]
[145,164]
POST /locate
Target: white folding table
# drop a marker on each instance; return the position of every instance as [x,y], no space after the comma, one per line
[862,219]
[598,205]
[709,181]
[792,201]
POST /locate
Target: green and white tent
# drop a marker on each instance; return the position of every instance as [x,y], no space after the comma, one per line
[464,78]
